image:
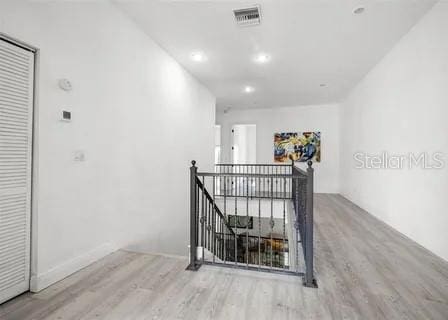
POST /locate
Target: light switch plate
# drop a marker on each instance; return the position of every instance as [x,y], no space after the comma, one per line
[66,116]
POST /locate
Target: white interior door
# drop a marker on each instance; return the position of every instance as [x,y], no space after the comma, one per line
[16,111]
[244,144]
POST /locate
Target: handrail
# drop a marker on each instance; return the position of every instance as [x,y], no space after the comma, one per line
[252,164]
[218,211]
[253,175]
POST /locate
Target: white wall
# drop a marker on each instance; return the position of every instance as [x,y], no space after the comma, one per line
[323,118]
[139,117]
[402,106]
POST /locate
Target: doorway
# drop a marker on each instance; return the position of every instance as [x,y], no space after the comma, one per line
[244,144]
[16,137]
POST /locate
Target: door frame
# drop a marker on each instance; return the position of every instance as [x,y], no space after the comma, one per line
[34,156]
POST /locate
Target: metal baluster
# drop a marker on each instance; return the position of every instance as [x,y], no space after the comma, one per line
[236,230]
[247,223]
[197,213]
[206,210]
[210,227]
[214,221]
[207,231]
[236,180]
[259,233]
[219,180]
[203,218]
[280,185]
[211,241]
[228,185]
[226,178]
[252,183]
[276,181]
[264,180]
[284,186]
[225,218]
[221,232]
[224,231]
[218,229]
[238,169]
[248,175]
[284,225]
[223,244]
[276,184]
[296,224]
[272,213]
[231,180]
[286,182]
[268,180]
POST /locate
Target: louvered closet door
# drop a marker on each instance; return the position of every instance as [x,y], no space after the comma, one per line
[16,101]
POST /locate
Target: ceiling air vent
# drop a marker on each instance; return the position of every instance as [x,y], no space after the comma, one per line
[248,16]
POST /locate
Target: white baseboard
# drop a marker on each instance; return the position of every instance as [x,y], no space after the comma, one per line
[156,253]
[55,274]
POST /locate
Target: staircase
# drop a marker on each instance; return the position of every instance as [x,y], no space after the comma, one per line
[256,217]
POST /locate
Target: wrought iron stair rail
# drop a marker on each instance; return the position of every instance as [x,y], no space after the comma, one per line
[212,202]
[278,202]
[214,227]
[261,189]
[303,204]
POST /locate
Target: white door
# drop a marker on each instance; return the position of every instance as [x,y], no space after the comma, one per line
[244,144]
[16,111]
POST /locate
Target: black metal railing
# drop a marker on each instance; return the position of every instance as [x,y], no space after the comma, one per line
[236,176]
[303,204]
[254,218]
[214,226]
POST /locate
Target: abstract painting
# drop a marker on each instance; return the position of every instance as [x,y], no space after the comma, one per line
[297,146]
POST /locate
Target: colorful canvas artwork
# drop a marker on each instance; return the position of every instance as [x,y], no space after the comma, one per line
[297,146]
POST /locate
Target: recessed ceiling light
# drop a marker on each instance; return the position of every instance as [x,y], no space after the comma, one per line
[249,89]
[359,10]
[262,58]
[198,56]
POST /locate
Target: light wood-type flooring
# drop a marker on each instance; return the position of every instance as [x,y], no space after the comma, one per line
[364,269]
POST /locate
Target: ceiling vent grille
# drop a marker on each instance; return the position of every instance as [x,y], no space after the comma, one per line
[248,16]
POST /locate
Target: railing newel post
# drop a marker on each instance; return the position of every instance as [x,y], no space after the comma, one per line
[193,266]
[309,280]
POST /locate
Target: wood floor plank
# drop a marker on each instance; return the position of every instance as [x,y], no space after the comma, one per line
[364,268]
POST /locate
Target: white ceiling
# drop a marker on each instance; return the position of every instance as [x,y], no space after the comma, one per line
[311,42]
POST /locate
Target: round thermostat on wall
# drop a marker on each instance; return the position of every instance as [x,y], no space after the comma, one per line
[65,85]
